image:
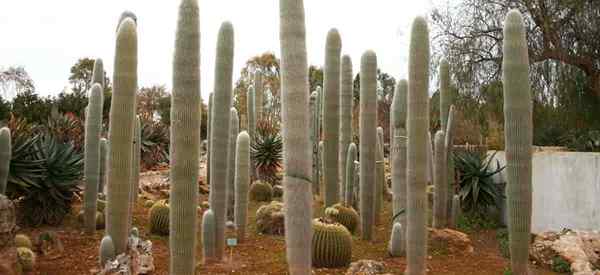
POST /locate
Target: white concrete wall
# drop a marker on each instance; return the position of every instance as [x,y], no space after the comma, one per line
[566,190]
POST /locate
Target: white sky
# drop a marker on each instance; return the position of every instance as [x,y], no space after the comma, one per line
[47,37]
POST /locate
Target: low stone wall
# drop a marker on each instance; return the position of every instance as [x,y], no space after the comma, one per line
[566,190]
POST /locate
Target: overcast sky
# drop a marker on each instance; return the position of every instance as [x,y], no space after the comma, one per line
[47,37]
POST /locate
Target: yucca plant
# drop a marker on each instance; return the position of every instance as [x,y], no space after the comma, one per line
[477,189]
[267,150]
[154,143]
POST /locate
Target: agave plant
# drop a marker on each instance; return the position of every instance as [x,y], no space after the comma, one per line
[67,128]
[154,143]
[266,150]
[477,190]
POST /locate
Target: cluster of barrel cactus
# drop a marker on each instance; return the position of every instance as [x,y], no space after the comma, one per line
[331,244]
[344,215]
[159,218]
[261,191]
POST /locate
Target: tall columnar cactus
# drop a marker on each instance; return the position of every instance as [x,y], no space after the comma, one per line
[185,140]
[349,176]
[209,236]
[418,122]
[137,156]
[242,180]
[5,157]
[208,140]
[368,141]
[251,109]
[379,175]
[456,211]
[107,250]
[445,96]
[518,136]
[297,161]
[448,146]
[321,167]
[259,94]
[120,133]
[234,130]
[398,155]
[314,138]
[220,132]
[346,102]
[103,164]
[93,128]
[440,212]
[331,117]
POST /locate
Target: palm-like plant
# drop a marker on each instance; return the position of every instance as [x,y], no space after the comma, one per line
[266,150]
[477,188]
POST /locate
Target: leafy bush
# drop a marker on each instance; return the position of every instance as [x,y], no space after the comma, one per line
[583,141]
[477,189]
[502,237]
[267,150]
[560,265]
[476,221]
[154,143]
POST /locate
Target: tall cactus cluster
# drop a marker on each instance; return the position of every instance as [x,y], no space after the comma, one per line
[349,175]
[398,167]
[368,141]
[242,180]
[440,211]
[417,121]
[297,161]
[234,129]
[5,157]
[331,117]
[346,107]
[92,157]
[446,101]
[379,175]
[185,140]
[120,133]
[221,117]
[518,135]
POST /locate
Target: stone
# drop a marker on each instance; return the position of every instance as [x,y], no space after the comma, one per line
[366,267]
[455,242]
[581,249]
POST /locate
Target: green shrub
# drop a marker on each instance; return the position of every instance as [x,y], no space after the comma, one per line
[560,265]
[502,237]
[475,221]
[477,188]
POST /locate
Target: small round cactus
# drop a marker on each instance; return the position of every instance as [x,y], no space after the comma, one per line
[26,258]
[159,218]
[261,191]
[346,216]
[331,244]
[21,240]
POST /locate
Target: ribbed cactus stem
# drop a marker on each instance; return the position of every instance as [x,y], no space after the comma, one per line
[106,251]
[379,175]
[449,144]
[120,133]
[259,95]
[331,117]
[137,155]
[185,140]
[368,141]
[209,234]
[396,245]
[103,164]
[440,211]
[93,129]
[251,109]
[242,181]
[314,138]
[418,122]
[518,136]
[208,145]
[351,156]
[98,72]
[346,104]
[234,129]
[321,167]
[297,161]
[445,96]
[398,156]
[5,157]
[220,132]
[456,211]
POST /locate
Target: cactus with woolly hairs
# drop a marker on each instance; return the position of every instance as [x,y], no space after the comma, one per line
[234,129]
[103,164]
[368,141]
[440,213]
[314,138]
[448,145]
[346,104]
[418,122]
[242,180]
[518,136]
[98,73]
[137,155]
[296,144]
[350,173]
[5,157]
[185,140]
[120,134]
[379,175]
[396,246]
[220,132]
[208,140]
[398,156]
[331,117]
[331,244]
[209,235]
[93,128]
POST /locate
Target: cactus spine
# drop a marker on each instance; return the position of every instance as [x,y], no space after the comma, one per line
[234,129]
[398,166]
[518,136]
[349,187]
[440,212]
[331,117]
[185,140]
[103,158]
[297,161]
[418,121]
[5,157]
[242,180]
[120,133]
[93,127]
[346,102]
[220,132]
[379,175]
[209,236]
[368,141]
[314,138]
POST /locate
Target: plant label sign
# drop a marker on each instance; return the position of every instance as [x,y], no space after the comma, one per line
[231,242]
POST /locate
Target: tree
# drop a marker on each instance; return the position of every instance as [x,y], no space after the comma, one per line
[81,81]
[315,77]
[28,105]
[148,101]
[13,81]
[4,110]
